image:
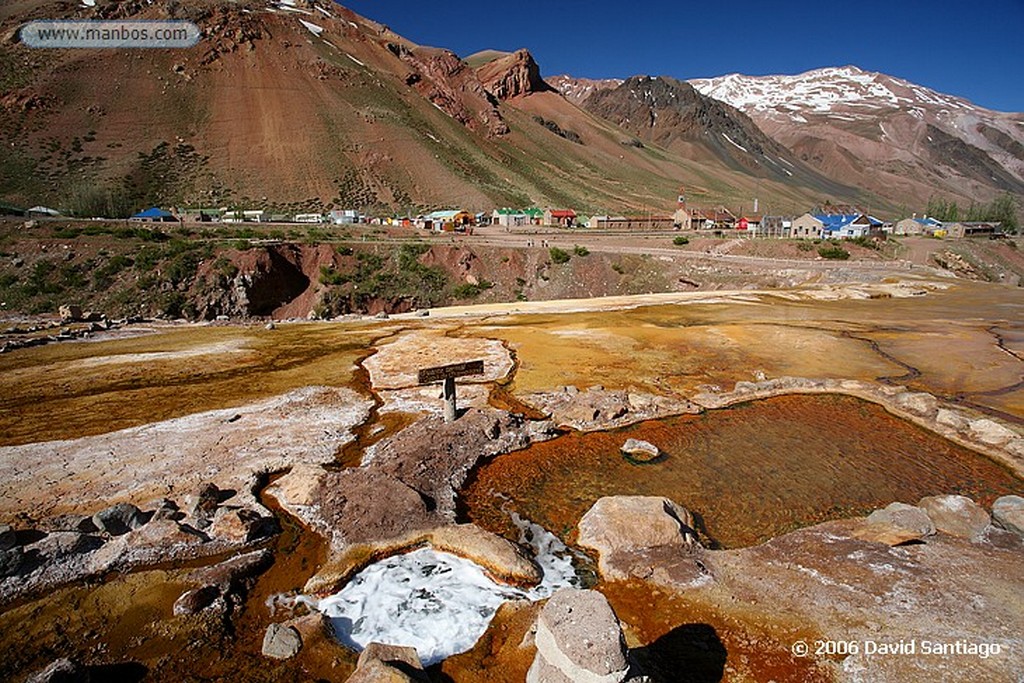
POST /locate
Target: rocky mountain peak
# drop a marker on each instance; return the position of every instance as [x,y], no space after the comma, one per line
[512,75]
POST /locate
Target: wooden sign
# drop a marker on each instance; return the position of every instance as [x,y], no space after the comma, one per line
[440,372]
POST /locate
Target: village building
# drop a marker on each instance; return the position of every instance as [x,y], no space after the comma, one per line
[447,220]
[344,216]
[750,222]
[632,223]
[681,219]
[245,216]
[154,215]
[776,226]
[43,212]
[713,219]
[917,226]
[850,226]
[564,218]
[959,230]
[807,226]
[514,218]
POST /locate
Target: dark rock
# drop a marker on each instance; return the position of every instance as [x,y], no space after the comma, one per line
[8,539]
[207,500]
[119,519]
[167,509]
[70,313]
[10,561]
[281,642]
[62,671]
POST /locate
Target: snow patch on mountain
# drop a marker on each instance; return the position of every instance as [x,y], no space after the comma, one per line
[821,91]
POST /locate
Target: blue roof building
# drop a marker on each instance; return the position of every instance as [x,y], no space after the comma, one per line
[154,215]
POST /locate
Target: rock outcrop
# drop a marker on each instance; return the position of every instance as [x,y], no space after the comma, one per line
[512,75]
[578,638]
[597,408]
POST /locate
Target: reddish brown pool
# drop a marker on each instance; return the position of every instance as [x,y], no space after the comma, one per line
[750,472]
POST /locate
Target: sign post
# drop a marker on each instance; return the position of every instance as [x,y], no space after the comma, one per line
[447,374]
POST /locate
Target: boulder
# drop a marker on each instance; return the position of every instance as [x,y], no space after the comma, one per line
[640,451]
[69,313]
[281,642]
[645,537]
[386,663]
[390,654]
[990,432]
[578,638]
[119,519]
[167,509]
[61,671]
[896,524]
[1008,512]
[625,523]
[956,515]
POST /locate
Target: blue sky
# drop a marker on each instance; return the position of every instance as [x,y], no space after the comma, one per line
[971,49]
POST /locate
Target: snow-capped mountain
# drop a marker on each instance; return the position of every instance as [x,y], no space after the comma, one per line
[882,132]
[825,91]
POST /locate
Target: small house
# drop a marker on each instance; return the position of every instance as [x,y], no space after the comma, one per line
[973,229]
[154,215]
[807,226]
[344,217]
[564,218]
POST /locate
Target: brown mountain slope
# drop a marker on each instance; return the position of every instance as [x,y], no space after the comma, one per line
[307,107]
[673,114]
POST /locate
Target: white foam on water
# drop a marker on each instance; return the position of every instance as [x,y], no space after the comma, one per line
[437,602]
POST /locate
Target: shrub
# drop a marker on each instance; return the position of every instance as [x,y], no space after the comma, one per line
[834,252]
[558,255]
[680,240]
[580,251]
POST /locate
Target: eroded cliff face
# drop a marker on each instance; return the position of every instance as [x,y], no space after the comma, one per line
[448,82]
[512,75]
